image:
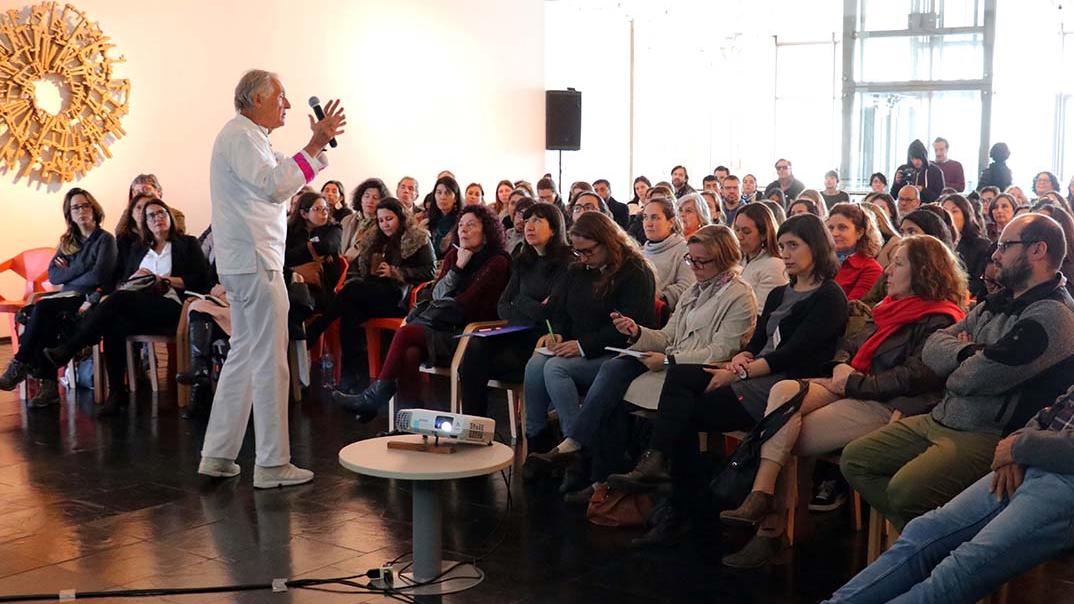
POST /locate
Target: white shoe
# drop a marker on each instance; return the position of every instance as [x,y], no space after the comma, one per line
[218,467]
[287,475]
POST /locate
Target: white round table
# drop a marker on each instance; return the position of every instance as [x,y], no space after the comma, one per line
[373,458]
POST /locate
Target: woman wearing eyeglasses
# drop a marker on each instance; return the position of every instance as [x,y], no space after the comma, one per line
[147,302]
[312,236]
[609,275]
[85,261]
[796,335]
[712,322]
[664,248]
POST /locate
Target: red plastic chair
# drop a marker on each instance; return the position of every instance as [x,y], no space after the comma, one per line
[373,327]
[330,338]
[31,265]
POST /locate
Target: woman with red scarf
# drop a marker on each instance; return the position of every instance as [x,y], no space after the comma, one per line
[885,375]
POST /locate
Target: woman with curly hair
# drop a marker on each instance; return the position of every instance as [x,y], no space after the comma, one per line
[356,225]
[885,374]
[472,276]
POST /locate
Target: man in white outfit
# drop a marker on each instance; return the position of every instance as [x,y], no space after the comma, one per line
[250,186]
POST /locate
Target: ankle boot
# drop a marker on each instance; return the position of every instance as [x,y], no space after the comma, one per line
[200,333]
[369,402]
[15,373]
[118,398]
[668,528]
[650,473]
[752,511]
[47,394]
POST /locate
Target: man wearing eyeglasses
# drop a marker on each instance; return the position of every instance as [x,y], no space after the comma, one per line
[1011,355]
[785,181]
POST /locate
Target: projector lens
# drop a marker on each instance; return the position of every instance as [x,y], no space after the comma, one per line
[443,423]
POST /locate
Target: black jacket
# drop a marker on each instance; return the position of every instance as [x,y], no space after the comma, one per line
[188,263]
[898,376]
[532,282]
[329,239]
[975,254]
[809,335]
[929,177]
[620,212]
[791,193]
[578,313]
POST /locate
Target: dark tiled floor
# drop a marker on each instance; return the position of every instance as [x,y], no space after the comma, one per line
[89,505]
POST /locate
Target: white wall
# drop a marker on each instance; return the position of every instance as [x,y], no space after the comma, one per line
[428,85]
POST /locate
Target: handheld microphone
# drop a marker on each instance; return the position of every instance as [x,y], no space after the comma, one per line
[315,103]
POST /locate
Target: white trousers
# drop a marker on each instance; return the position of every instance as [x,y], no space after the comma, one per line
[255,373]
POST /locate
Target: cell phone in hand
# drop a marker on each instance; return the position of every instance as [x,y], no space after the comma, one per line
[375,263]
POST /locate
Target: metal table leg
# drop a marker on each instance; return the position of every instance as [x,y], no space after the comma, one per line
[442,576]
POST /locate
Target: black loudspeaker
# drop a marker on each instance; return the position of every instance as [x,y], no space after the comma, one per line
[562,120]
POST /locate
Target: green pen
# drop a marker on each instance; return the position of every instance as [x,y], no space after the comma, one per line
[551,334]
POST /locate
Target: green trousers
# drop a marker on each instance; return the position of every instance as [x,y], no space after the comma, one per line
[915,465]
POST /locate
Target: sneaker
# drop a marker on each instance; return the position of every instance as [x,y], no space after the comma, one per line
[286,475]
[218,467]
[830,496]
[48,394]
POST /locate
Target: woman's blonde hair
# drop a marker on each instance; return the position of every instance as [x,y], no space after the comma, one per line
[721,242]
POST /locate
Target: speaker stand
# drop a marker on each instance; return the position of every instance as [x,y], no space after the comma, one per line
[560,178]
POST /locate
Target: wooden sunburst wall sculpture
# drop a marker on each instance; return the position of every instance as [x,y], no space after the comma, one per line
[45,46]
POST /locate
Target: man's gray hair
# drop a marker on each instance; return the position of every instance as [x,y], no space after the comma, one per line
[252,82]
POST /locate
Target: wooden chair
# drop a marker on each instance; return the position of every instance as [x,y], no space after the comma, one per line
[32,266]
[151,341]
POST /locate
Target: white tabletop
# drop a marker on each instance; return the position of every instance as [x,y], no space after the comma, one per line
[373,458]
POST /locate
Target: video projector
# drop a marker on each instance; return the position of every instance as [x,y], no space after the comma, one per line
[467,429]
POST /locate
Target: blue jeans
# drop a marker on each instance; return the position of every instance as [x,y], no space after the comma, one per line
[603,425]
[966,549]
[555,382]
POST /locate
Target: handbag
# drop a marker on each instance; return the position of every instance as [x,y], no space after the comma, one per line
[616,508]
[733,483]
[312,272]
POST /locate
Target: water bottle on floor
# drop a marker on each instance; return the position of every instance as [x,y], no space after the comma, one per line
[328,370]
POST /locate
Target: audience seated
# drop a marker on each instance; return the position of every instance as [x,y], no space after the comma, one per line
[84,263]
[128,229]
[443,216]
[730,201]
[713,321]
[712,201]
[336,196]
[1000,212]
[515,234]
[886,203]
[148,301]
[785,181]
[777,196]
[395,257]
[883,373]
[777,211]
[546,193]
[501,204]
[1019,196]
[472,276]
[814,196]
[1066,222]
[475,195]
[857,242]
[538,270]
[973,249]
[586,201]
[609,276]
[364,218]
[636,228]
[406,191]
[1010,520]
[749,189]
[665,248]
[803,206]
[796,335]
[756,230]
[924,222]
[693,212]
[1009,357]
[887,231]
[619,210]
[831,193]
[313,239]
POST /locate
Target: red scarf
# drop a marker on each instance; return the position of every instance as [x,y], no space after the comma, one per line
[891,315]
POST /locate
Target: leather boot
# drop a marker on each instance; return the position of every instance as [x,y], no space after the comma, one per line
[650,473]
[369,402]
[200,333]
[15,373]
[47,394]
[668,528]
[752,511]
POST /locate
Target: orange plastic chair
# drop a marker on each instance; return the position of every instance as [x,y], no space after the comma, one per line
[31,265]
[373,327]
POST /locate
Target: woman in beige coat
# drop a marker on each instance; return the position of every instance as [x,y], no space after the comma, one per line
[713,320]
